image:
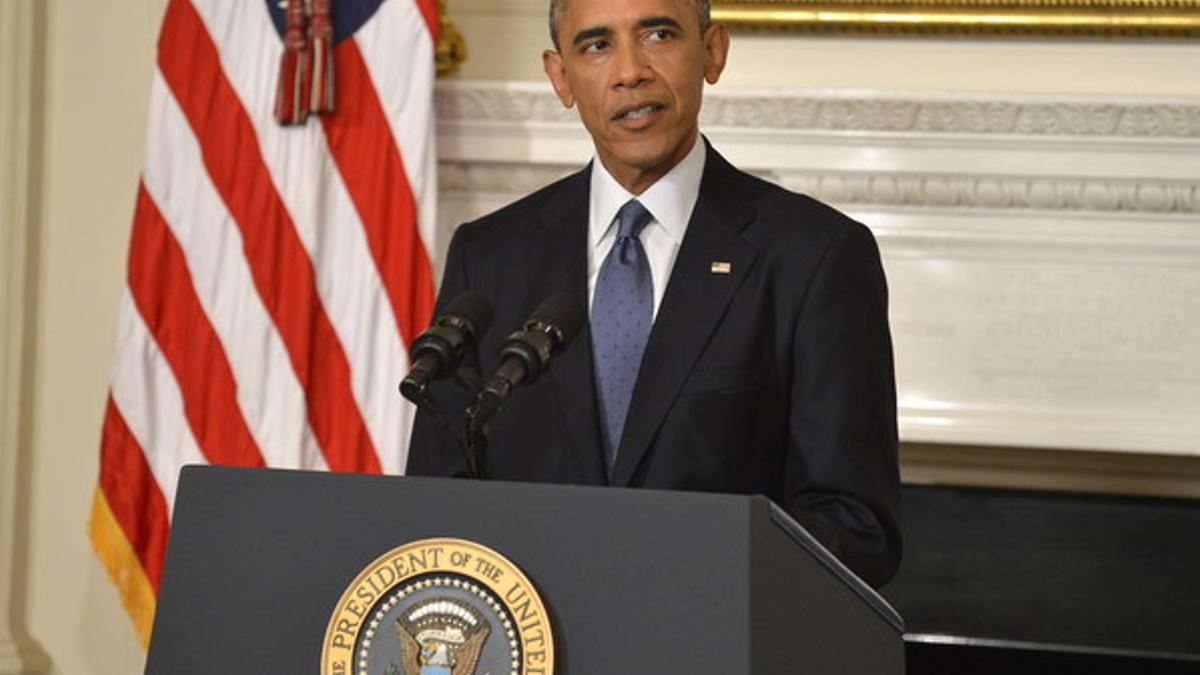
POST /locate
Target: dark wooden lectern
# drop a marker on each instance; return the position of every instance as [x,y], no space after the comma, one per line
[637,582]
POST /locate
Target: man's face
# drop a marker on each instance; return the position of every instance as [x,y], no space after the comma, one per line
[636,69]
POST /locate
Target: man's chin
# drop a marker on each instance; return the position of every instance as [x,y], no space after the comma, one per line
[641,155]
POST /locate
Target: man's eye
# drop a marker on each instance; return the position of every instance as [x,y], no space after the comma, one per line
[660,34]
[596,46]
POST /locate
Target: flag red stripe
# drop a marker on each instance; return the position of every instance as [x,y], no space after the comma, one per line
[283,273]
[133,494]
[162,290]
[373,171]
[429,11]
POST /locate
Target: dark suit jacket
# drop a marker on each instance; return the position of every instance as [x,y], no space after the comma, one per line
[775,378]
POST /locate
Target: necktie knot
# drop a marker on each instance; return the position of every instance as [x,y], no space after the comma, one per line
[632,218]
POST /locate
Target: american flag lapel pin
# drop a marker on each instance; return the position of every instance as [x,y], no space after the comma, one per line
[720,267]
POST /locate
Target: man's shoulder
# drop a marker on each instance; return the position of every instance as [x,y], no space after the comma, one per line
[784,205]
[783,214]
[528,211]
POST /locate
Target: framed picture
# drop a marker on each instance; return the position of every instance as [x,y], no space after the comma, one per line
[1114,18]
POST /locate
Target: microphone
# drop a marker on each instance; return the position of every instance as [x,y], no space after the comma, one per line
[439,350]
[526,354]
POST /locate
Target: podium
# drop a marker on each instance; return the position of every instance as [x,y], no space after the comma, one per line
[635,582]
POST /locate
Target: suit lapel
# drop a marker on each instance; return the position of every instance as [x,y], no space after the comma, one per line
[692,307]
[557,260]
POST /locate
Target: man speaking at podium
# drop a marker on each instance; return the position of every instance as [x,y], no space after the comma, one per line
[737,336]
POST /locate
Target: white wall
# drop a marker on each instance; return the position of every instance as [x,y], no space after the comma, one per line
[1041,251]
[97,59]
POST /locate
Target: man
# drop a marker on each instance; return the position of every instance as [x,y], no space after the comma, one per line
[737,337]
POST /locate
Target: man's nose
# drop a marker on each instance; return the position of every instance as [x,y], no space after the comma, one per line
[632,67]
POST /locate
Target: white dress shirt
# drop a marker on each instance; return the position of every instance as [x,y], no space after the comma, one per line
[670,200]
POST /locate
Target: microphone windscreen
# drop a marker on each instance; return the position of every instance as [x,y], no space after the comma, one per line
[473,308]
[564,312]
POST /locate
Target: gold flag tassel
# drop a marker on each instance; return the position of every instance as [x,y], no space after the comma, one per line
[322,55]
[291,94]
[451,46]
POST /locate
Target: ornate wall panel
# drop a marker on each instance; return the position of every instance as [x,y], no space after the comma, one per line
[1043,253]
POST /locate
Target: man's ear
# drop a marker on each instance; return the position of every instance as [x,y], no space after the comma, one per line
[716,49]
[552,63]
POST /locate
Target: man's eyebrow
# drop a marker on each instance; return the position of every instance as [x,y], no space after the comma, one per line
[648,22]
[589,33]
[658,21]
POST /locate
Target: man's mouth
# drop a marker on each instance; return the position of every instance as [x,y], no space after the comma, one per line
[638,112]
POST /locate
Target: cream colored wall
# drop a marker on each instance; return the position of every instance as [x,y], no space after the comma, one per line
[97,63]
[97,60]
[500,34]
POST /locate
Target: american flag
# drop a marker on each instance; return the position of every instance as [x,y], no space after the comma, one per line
[276,274]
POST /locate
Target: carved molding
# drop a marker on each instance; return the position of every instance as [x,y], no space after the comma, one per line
[947,152]
[476,102]
[859,112]
[882,114]
[1000,192]
[878,189]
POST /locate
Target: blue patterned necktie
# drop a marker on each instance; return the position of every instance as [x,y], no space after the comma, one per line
[622,306]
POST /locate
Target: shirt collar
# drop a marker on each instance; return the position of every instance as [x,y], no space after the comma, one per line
[670,200]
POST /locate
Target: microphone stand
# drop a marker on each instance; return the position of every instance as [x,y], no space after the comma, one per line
[476,446]
[475,439]
[478,430]
[469,442]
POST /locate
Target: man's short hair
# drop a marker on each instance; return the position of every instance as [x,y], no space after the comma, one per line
[556,6]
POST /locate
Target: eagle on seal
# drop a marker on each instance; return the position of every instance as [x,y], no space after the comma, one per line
[441,636]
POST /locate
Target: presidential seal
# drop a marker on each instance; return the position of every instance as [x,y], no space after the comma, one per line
[439,607]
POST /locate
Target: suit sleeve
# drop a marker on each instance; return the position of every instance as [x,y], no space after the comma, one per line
[842,476]
[432,451]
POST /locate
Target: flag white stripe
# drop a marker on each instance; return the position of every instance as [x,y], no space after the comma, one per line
[326,221]
[404,79]
[145,392]
[270,397]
